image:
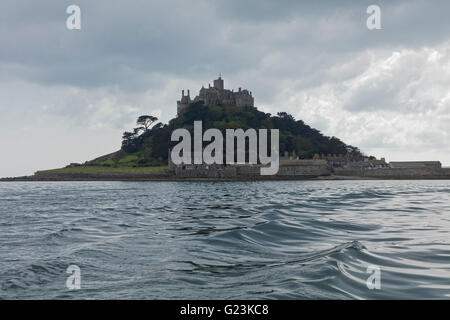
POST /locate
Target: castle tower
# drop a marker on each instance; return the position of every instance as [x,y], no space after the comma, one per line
[218,83]
[184,102]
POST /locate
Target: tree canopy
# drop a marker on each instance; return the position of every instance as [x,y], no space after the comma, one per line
[150,142]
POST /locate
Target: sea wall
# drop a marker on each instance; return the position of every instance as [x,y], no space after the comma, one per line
[292,170]
[298,171]
[396,173]
[97,176]
[225,172]
[304,170]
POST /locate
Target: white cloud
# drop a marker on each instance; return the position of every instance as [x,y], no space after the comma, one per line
[396,104]
[51,126]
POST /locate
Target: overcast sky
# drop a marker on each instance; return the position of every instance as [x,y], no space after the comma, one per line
[67,95]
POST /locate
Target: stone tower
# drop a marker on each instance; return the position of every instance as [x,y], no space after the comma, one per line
[218,83]
[184,102]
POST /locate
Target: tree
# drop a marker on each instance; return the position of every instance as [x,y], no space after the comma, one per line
[128,136]
[153,138]
[285,115]
[145,122]
[132,141]
[128,141]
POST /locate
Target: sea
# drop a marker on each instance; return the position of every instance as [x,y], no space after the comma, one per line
[351,239]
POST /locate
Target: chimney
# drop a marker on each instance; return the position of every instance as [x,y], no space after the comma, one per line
[189,93]
[182,93]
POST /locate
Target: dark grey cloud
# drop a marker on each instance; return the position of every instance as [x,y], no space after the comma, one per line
[381,90]
[122,42]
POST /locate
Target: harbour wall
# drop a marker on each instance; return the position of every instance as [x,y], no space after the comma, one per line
[395,173]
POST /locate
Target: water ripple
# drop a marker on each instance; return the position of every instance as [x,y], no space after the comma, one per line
[240,240]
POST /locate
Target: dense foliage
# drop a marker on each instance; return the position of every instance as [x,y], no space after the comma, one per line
[149,145]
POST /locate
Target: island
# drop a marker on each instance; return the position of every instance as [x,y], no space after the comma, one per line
[305,153]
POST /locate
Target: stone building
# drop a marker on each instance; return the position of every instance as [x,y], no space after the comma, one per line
[289,168]
[346,161]
[217,95]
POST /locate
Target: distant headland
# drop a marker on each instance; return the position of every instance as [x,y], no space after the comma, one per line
[305,152]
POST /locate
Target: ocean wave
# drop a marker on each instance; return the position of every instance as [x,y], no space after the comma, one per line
[262,240]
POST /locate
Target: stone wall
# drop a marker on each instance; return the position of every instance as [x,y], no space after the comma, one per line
[224,172]
[215,97]
[292,170]
[304,170]
[396,173]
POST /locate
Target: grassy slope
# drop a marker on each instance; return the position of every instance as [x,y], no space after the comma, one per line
[103,169]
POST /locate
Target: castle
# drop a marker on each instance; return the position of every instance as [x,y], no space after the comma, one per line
[216,95]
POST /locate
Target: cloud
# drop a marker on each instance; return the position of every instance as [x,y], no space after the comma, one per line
[399,102]
[122,42]
[383,90]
